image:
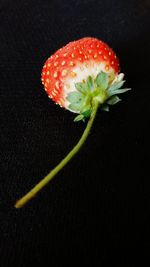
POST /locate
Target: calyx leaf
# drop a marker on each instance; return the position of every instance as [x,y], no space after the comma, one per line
[105,108]
[75,97]
[87,113]
[113,100]
[76,107]
[81,87]
[102,80]
[119,91]
[79,117]
[116,85]
[90,83]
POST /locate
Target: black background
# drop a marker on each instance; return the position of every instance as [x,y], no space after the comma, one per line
[96,211]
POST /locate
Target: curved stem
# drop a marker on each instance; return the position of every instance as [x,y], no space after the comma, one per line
[53,172]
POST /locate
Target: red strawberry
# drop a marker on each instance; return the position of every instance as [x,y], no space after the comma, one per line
[81,76]
[73,64]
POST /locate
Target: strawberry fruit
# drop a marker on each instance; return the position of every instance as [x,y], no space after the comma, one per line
[81,77]
[79,72]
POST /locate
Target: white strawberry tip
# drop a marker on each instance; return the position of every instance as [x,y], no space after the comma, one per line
[101,89]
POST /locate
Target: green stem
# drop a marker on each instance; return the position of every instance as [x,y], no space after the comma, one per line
[70,155]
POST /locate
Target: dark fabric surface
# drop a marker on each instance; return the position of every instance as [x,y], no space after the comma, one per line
[96,211]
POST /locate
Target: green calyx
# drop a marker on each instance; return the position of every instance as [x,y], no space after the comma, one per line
[91,91]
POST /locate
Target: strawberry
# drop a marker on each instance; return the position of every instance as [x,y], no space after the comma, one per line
[79,72]
[81,77]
